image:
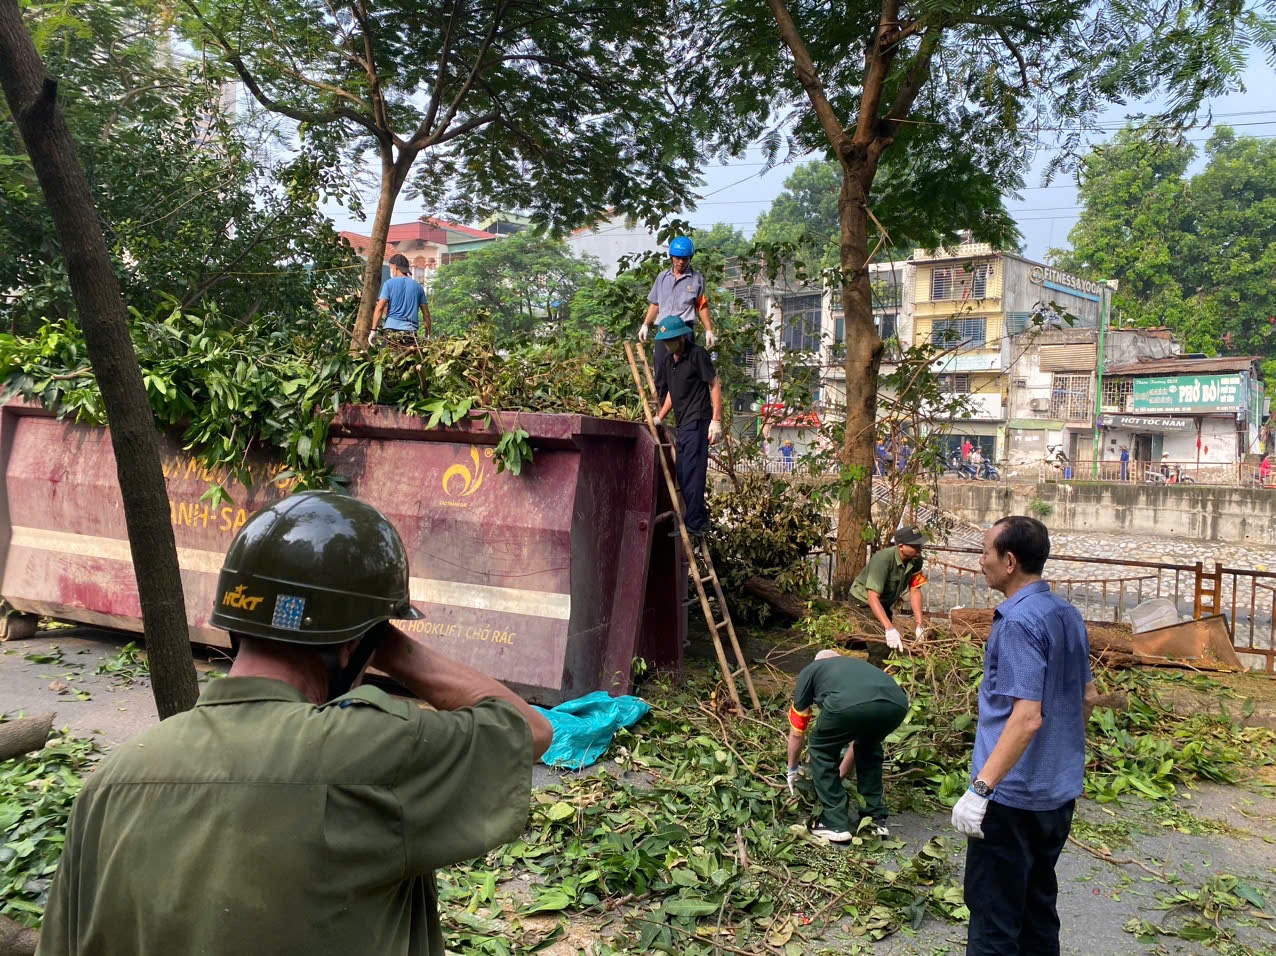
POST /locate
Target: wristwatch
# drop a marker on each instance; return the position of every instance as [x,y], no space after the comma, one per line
[982,789]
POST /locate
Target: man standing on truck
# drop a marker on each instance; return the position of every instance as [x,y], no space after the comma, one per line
[695,396]
[287,812]
[400,299]
[888,574]
[678,290]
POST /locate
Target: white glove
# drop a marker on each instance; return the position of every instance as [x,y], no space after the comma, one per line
[920,632]
[374,338]
[657,421]
[642,332]
[968,815]
[792,776]
[710,340]
[715,432]
[893,640]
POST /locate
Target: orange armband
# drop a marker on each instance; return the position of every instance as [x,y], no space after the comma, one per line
[918,580]
[798,720]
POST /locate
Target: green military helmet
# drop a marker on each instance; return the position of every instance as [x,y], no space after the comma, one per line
[318,567]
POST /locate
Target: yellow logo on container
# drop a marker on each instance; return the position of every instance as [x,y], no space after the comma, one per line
[241,601]
[469,481]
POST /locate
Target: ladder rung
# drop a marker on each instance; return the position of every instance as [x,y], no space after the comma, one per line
[707,577]
[721,624]
[664,515]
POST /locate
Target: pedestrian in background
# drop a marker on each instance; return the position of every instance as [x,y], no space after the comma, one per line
[859,706]
[1029,758]
[400,299]
[1125,463]
[678,290]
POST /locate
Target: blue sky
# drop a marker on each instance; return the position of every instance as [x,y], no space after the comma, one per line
[737,192]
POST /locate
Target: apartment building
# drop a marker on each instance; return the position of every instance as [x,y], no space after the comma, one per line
[971,301]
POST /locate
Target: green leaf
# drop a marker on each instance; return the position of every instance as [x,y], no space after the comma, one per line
[561,811]
[690,907]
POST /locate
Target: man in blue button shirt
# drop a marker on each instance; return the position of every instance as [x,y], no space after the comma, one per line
[1029,760]
[400,299]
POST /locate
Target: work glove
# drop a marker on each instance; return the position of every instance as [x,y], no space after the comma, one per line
[791,779]
[374,339]
[894,641]
[710,340]
[968,815]
[715,432]
[657,421]
[920,632]
[642,332]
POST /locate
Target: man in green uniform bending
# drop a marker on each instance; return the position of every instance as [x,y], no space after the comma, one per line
[859,705]
[287,813]
[888,574]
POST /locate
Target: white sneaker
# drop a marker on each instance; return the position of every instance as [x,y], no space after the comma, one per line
[826,833]
[881,830]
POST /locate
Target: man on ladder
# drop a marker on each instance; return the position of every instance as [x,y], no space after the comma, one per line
[695,395]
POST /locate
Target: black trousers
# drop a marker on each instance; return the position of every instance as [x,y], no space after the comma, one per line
[1010,881]
[659,351]
[693,468]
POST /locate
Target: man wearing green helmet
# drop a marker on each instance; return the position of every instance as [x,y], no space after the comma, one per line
[678,290]
[695,396]
[288,813]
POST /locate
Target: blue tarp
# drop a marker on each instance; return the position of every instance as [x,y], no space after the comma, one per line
[584,727]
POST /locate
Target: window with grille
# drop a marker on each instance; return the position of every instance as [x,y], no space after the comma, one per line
[1017,322]
[941,284]
[885,322]
[958,384]
[1070,398]
[958,282]
[802,315]
[963,331]
[1117,394]
[839,330]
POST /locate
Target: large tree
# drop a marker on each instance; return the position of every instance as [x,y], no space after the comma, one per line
[188,200]
[806,212]
[559,109]
[516,283]
[1194,252]
[932,111]
[32,96]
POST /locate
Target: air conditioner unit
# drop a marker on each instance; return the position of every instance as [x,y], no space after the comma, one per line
[1039,404]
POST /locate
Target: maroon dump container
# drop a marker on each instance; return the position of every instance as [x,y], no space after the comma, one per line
[553,581]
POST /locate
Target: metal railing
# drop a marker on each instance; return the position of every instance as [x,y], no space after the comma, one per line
[1187,472]
[1105,590]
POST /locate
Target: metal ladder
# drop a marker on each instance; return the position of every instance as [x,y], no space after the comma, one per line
[701,564]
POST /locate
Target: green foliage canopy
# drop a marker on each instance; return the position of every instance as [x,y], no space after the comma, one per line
[1196,252]
[517,283]
[188,202]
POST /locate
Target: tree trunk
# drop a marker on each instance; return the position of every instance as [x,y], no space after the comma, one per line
[863,361]
[18,737]
[16,939]
[32,97]
[392,178]
[767,590]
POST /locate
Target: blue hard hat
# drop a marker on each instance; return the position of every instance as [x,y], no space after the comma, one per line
[682,246]
[672,327]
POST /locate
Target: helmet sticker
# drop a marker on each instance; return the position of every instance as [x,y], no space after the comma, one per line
[288,610]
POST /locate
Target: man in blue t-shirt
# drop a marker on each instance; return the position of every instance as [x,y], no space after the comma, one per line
[1029,759]
[399,301]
